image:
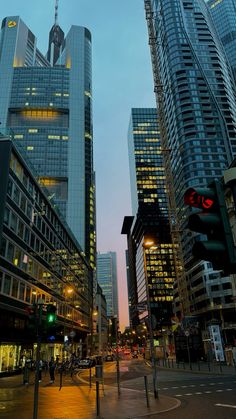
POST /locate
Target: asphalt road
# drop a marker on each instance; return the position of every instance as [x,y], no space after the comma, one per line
[201,395]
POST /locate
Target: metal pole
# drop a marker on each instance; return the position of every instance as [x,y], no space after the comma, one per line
[97,399]
[117,363]
[36,383]
[146,390]
[189,358]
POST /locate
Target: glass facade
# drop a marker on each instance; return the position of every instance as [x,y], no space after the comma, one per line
[40,258]
[107,279]
[223,14]
[151,262]
[199,112]
[48,107]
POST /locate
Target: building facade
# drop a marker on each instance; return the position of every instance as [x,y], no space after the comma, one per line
[150,250]
[40,260]
[196,94]
[107,279]
[47,104]
[101,333]
[223,14]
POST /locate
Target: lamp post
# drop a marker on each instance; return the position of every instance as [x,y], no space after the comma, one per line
[147,246]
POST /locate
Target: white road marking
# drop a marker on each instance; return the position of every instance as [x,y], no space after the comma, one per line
[202,385]
[199,392]
[229,389]
[225,405]
[219,391]
[208,392]
[174,387]
[188,394]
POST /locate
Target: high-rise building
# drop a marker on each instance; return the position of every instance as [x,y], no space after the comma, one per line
[107,279]
[47,103]
[223,14]
[196,97]
[150,250]
[40,262]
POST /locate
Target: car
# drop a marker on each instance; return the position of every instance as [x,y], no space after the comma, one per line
[109,357]
[84,363]
[135,354]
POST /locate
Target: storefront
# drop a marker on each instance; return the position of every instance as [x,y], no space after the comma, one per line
[9,357]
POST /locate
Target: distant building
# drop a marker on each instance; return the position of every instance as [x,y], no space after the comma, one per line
[40,259]
[150,250]
[107,279]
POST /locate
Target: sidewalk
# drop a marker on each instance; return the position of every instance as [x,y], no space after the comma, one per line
[196,367]
[77,401]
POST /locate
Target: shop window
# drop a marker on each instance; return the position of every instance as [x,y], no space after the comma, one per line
[7,285]
[14,291]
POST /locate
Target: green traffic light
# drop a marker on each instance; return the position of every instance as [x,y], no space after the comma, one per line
[51,318]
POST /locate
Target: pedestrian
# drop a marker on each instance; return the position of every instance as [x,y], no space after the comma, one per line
[26,373]
[52,370]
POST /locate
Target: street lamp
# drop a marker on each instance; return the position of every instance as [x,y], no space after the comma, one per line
[147,245]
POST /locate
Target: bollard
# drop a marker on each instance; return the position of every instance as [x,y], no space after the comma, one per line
[97,400]
[146,390]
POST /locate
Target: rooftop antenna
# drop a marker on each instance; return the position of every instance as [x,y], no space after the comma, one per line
[56,13]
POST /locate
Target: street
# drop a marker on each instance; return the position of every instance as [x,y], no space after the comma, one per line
[201,394]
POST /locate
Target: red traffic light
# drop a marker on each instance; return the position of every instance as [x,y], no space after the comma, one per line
[203,198]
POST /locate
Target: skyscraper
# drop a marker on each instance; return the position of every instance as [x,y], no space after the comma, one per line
[107,279]
[223,14]
[196,98]
[47,103]
[150,250]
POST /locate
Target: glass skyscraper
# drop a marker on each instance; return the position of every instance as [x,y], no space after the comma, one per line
[107,279]
[223,14]
[198,110]
[47,103]
[150,250]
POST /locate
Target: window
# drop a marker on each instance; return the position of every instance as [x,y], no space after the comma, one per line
[14,291]
[7,285]
[22,291]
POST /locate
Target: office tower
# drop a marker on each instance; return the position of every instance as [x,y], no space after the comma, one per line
[107,279]
[150,250]
[40,262]
[47,104]
[223,14]
[196,98]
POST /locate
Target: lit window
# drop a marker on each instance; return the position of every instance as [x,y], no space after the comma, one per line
[50,104]
[57,94]
[17,136]
[54,137]
[65,137]
[32,130]
[66,94]
[30,148]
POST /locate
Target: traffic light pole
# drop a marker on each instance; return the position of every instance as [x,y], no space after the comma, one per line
[39,338]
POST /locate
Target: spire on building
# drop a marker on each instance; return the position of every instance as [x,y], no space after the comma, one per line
[56,39]
[56,13]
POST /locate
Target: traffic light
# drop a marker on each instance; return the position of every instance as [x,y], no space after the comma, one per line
[32,318]
[51,318]
[213,222]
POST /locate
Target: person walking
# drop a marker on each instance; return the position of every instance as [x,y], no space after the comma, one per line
[52,370]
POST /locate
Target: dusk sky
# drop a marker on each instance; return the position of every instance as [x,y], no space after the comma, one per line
[122,79]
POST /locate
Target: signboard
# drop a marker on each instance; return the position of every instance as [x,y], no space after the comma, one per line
[216,341]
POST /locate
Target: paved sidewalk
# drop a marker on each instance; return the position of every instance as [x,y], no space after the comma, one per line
[77,401]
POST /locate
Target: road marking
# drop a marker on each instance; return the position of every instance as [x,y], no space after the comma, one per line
[207,392]
[192,385]
[202,385]
[199,392]
[174,387]
[219,391]
[225,405]
[188,394]
[183,386]
[229,389]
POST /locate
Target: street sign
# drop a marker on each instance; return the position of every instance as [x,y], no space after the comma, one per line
[72,334]
[141,306]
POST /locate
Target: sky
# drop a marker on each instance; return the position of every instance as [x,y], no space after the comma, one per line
[122,79]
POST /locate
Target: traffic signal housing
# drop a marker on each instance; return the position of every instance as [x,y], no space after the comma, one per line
[32,318]
[213,222]
[51,318]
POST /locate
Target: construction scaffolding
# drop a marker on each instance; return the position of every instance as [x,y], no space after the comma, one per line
[181,300]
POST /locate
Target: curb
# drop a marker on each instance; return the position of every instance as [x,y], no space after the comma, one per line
[177,404]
